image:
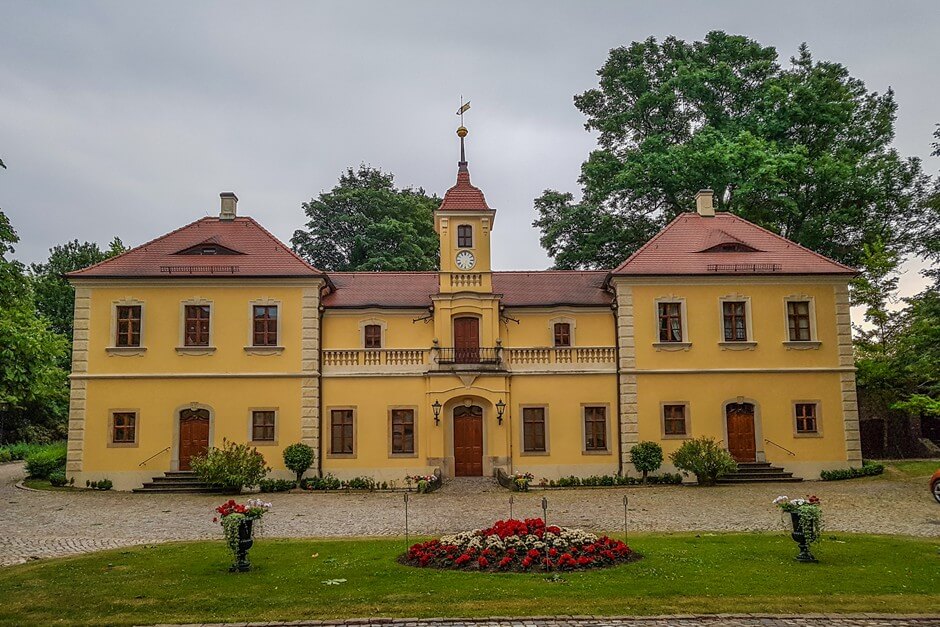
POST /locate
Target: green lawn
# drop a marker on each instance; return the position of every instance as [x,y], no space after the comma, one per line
[681,573]
[913,468]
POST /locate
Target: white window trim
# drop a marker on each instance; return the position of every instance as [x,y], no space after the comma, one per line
[383,325]
[548,450]
[686,343]
[126,351]
[251,431]
[750,343]
[813,341]
[572,326]
[688,421]
[250,347]
[181,348]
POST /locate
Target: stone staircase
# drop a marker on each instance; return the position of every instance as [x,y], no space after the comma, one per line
[758,472]
[178,481]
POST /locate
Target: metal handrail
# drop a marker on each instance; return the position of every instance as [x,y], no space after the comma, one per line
[780,447]
[469,355]
[152,456]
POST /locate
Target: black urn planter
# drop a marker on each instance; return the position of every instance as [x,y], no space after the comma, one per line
[245,541]
[800,538]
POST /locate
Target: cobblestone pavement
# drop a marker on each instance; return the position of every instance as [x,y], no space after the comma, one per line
[50,524]
[724,620]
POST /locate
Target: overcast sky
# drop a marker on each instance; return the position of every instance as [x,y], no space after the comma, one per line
[128,118]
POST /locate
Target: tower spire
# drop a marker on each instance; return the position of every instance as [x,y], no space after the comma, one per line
[461,133]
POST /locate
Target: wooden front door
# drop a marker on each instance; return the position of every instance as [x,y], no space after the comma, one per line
[468,441]
[467,340]
[741,441]
[194,435]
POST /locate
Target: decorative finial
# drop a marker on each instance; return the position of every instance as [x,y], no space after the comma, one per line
[462,130]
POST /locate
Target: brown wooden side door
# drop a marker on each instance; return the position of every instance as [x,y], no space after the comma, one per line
[468,441]
[467,340]
[741,441]
[194,435]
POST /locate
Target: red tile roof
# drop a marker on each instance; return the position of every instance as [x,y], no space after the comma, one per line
[259,254]
[518,289]
[463,196]
[682,248]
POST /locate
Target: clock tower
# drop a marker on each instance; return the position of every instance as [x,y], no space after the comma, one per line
[463,223]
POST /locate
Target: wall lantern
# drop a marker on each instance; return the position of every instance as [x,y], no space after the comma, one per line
[500,408]
[437,412]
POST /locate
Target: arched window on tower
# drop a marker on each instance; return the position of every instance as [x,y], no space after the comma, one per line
[464,236]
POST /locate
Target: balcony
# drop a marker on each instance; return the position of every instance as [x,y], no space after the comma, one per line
[468,356]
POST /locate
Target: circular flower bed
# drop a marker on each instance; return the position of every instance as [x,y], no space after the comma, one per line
[520,545]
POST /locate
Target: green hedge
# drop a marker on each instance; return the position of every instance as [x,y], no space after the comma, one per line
[868,469]
[46,460]
[276,485]
[21,450]
[666,478]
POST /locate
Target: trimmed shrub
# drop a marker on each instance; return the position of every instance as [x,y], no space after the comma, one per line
[45,460]
[646,457]
[326,482]
[298,457]
[101,484]
[22,450]
[276,485]
[868,469]
[232,467]
[58,479]
[704,458]
[5,456]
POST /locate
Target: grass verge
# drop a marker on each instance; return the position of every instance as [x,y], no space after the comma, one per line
[680,573]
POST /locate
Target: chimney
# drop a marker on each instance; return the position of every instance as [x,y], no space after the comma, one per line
[705,203]
[229,201]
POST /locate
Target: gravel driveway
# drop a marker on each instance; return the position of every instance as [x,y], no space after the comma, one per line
[49,524]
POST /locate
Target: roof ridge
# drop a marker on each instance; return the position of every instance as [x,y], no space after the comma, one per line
[789,241]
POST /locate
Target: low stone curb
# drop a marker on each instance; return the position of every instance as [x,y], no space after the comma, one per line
[21,486]
[678,620]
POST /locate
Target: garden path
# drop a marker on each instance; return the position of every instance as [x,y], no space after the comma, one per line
[39,524]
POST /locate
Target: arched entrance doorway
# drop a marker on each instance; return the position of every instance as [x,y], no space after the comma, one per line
[742,443]
[468,441]
[194,435]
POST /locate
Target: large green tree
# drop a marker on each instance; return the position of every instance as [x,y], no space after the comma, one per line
[366,223]
[33,383]
[803,149]
[55,298]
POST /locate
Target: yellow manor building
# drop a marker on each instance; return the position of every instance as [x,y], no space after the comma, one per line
[715,327]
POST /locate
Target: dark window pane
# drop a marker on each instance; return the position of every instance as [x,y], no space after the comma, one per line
[262,426]
[373,336]
[735,321]
[403,431]
[562,334]
[465,236]
[595,428]
[197,325]
[798,321]
[670,322]
[674,419]
[128,326]
[264,325]
[124,427]
[533,429]
[341,431]
[806,418]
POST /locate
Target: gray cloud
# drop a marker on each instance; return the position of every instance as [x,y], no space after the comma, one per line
[120,118]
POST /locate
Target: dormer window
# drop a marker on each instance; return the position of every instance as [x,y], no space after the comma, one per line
[464,236]
[731,247]
[208,248]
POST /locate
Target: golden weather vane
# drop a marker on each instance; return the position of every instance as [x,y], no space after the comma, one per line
[462,130]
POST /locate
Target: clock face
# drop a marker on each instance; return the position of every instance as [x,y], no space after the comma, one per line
[465,260]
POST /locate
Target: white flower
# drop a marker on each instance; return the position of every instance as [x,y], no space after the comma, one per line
[781,499]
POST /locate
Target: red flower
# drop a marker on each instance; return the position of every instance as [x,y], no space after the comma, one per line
[533,553]
[483,562]
[463,559]
[553,552]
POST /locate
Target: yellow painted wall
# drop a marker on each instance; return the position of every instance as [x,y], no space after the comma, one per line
[162,313]
[341,328]
[773,395]
[564,396]
[158,403]
[705,326]
[593,327]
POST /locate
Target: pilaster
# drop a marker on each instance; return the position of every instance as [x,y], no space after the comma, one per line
[310,366]
[629,417]
[78,388]
[853,443]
